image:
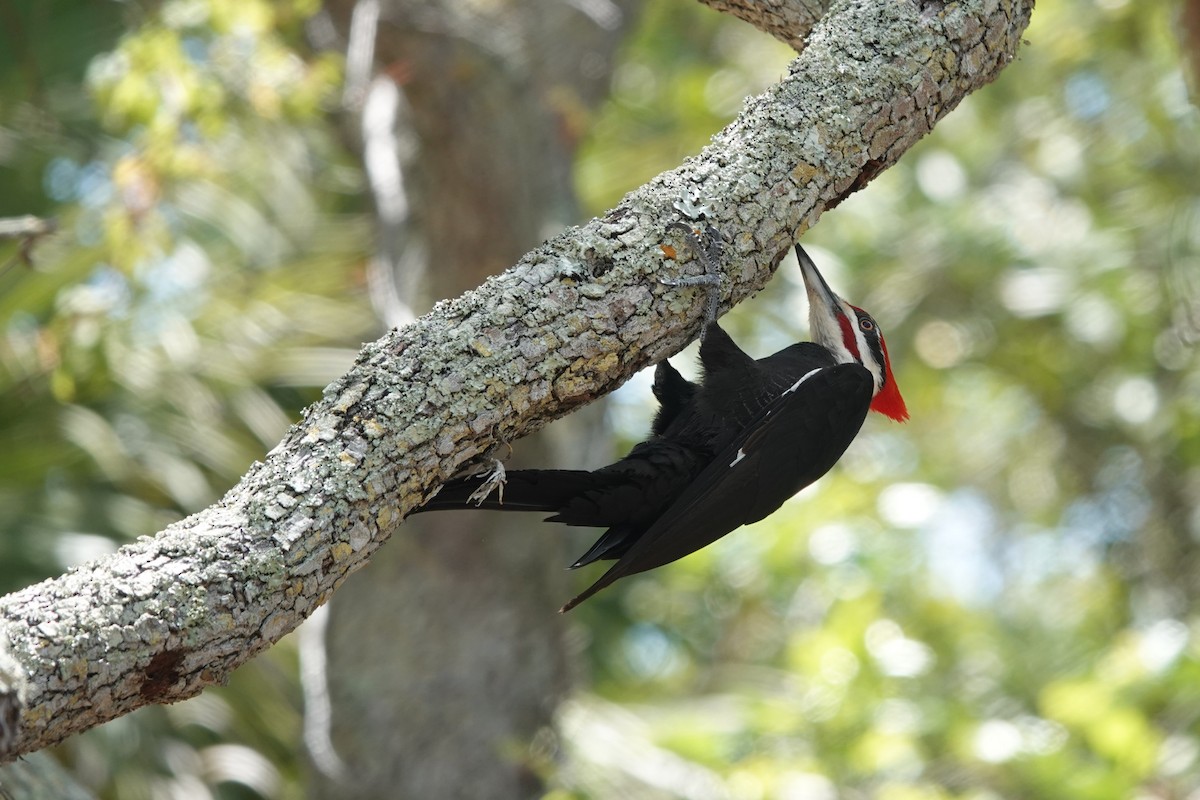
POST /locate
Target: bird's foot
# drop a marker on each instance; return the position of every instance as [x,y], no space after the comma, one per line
[492,482]
[707,243]
[713,302]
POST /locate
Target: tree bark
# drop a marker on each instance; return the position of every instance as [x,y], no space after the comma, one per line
[786,20]
[164,617]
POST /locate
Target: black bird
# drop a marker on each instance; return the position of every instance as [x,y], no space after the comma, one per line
[722,453]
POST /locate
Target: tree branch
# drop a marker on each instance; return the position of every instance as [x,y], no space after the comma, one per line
[29,230]
[166,616]
[786,20]
[25,227]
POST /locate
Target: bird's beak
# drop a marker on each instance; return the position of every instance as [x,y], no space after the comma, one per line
[825,309]
[813,281]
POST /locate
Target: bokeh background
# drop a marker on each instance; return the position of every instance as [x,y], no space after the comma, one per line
[997,599]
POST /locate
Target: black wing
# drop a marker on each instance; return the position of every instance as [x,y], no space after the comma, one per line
[723,362]
[792,442]
[673,392]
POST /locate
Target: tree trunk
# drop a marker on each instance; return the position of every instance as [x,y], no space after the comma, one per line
[445,657]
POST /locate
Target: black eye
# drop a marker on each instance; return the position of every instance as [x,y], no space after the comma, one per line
[867,324]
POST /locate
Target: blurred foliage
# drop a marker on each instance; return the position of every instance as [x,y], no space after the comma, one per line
[994,600]
[206,284]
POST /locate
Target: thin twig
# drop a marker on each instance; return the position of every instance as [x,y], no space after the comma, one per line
[26,227]
[29,229]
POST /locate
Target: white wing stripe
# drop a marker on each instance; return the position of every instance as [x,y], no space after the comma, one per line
[803,378]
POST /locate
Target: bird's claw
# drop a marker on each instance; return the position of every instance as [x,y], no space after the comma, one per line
[492,482]
[707,245]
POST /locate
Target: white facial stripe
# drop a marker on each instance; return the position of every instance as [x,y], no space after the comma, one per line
[826,332]
[740,455]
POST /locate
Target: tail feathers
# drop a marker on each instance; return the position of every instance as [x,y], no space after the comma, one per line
[612,545]
[523,490]
[607,579]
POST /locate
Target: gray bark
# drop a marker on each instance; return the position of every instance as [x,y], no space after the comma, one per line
[162,618]
[786,20]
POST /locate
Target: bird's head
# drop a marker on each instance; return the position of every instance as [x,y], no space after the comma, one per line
[852,335]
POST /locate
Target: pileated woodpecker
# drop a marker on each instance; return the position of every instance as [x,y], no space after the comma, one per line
[722,453]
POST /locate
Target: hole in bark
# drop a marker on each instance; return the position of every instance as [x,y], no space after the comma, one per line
[598,265]
[161,674]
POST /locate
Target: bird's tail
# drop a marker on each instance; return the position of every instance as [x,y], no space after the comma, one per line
[522,490]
